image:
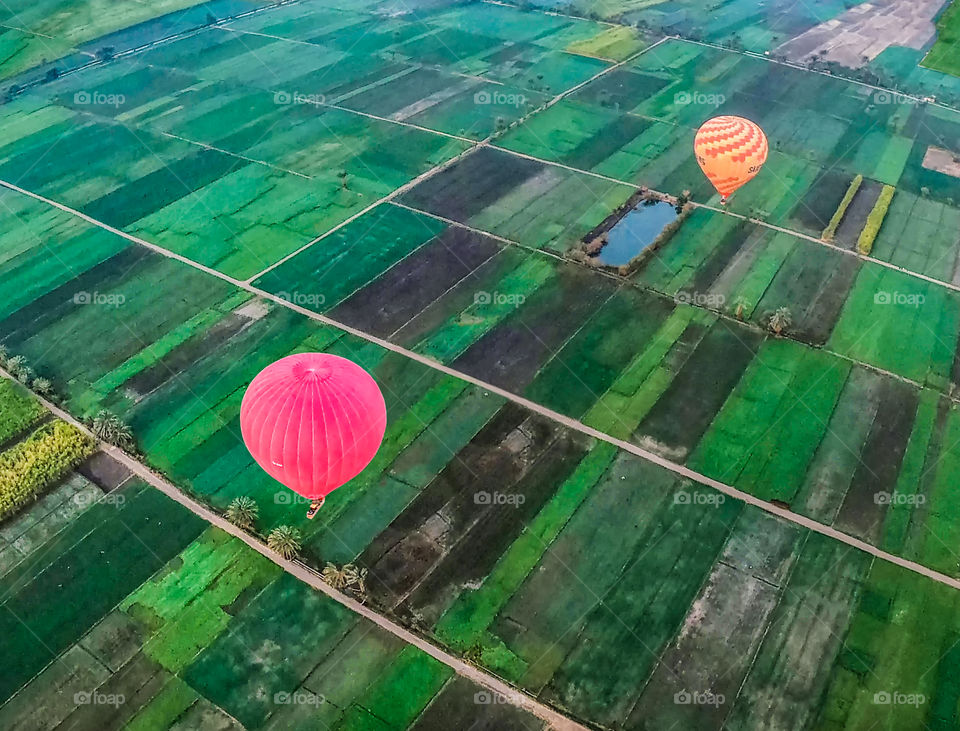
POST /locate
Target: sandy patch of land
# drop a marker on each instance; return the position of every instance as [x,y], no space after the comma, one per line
[943,161]
[867,30]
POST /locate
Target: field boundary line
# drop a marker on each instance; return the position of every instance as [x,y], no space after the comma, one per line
[309,576]
[503,240]
[225,27]
[534,407]
[205,146]
[28,31]
[555,14]
[400,122]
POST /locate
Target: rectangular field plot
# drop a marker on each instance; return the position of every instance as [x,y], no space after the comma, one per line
[921,235]
[749,272]
[901,324]
[523,200]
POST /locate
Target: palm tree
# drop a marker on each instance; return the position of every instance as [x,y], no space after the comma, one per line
[19,369]
[337,578]
[285,540]
[347,578]
[780,320]
[4,354]
[42,386]
[243,512]
[356,581]
[16,364]
[110,428]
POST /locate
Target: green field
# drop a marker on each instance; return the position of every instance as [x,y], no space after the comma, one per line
[943,56]
[210,188]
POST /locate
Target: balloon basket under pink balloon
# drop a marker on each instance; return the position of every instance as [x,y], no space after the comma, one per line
[315,507]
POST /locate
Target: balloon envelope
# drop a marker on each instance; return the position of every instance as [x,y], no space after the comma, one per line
[731,151]
[313,421]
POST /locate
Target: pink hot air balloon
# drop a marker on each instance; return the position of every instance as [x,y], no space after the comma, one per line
[313,421]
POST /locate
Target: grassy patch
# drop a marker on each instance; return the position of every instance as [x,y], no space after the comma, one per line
[945,56]
[18,410]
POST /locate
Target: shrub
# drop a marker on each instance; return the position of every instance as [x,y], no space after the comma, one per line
[831,230]
[37,462]
[875,220]
[18,368]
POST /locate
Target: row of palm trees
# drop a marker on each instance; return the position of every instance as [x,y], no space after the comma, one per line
[284,539]
[18,367]
[287,541]
[106,426]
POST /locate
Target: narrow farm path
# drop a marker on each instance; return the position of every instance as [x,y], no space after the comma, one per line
[306,574]
[566,421]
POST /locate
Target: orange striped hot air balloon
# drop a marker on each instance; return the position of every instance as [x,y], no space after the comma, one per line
[731,151]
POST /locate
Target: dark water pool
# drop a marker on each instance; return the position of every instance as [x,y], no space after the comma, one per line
[635,232]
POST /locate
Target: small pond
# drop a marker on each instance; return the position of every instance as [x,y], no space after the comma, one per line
[635,232]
